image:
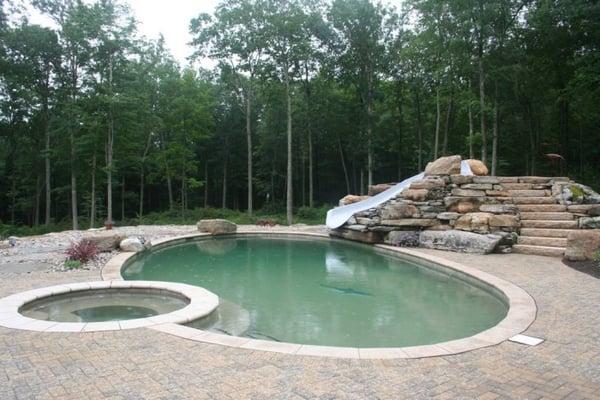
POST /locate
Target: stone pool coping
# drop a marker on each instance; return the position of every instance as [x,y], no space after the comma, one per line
[202,302]
[521,312]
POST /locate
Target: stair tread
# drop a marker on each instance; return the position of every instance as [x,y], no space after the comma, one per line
[543,241]
[534,200]
[549,251]
[550,224]
[546,215]
[546,232]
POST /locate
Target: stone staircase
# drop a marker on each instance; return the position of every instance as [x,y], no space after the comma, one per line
[545,224]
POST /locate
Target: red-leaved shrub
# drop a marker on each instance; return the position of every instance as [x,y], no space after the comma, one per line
[83,251]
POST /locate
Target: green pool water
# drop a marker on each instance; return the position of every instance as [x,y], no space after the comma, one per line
[322,292]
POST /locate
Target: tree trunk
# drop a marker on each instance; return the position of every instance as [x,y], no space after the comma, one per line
[143,174]
[205,183]
[109,146]
[290,192]
[495,134]
[38,194]
[482,106]
[48,184]
[362,181]
[471,151]
[123,198]
[249,140]
[225,165]
[93,194]
[437,123]
[419,133]
[447,126]
[344,165]
[74,79]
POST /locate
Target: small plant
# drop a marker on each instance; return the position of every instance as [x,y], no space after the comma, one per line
[72,264]
[598,258]
[266,222]
[82,251]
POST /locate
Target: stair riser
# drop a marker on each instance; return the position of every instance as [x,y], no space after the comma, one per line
[541,208]
[543,241]
[529,193]
[539,250]
[556,233]
[549,224]
[534,200]
[547,216]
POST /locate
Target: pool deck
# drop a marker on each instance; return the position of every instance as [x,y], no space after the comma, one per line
[148,364]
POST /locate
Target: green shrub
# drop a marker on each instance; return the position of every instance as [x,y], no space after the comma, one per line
[72,264]
[598,258]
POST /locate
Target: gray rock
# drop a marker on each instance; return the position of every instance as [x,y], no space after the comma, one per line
[216,226]
[105,241]
[594,212]
[12,240]
[459,241]
[589,223]
[132,244]
[402,238]
[498,208]
[448,216]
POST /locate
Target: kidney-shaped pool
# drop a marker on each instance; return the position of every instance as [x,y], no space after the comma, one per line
[322,292]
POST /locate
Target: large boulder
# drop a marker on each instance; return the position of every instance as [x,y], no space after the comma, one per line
[351,199]
[134,244]
[216,226]
[105,241]
[444,166]
[582,245]
[459,241]
[477,167]
[403,238]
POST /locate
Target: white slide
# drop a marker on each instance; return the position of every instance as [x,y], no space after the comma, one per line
[338,216]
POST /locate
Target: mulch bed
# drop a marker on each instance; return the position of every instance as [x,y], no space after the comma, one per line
[587,267]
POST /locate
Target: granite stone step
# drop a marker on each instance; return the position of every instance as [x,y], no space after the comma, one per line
[528,193]
[541,207]
[547,216]
[545,232]
[539,250]
[534,200]
[543,241]
[536,223]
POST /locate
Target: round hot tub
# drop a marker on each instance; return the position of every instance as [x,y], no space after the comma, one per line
[106,305]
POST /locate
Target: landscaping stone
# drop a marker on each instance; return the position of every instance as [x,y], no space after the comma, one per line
[478,167]
[376,189]
[448,216]
[105,241]
[461,179]
[398,211]
[351,199]
[428,183]
[475,222]
[415,194]
[454,240]
[486,179]
[132,244]
[498,208]
[370,237]
[504,220]
[467,193]
[589,223]
[478,186]
[410,222]
[216,226]
[582,245]
[444,166]
[403,238]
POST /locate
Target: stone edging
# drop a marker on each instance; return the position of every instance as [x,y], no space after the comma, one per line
[521,313]
[202,303]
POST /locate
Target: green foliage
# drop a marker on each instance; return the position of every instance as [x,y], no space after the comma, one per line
[72,264]
[598,258]
[578,193]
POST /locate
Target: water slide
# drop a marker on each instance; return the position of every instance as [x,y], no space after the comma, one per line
[338,216]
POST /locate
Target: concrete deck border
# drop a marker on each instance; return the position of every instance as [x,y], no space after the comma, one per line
[201,303]
[521,313]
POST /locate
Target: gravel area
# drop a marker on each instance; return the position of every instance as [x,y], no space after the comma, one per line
[47,252]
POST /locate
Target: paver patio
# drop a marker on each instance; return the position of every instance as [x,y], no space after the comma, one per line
[146,364]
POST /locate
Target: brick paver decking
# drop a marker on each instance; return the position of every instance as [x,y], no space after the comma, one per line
[145,364]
